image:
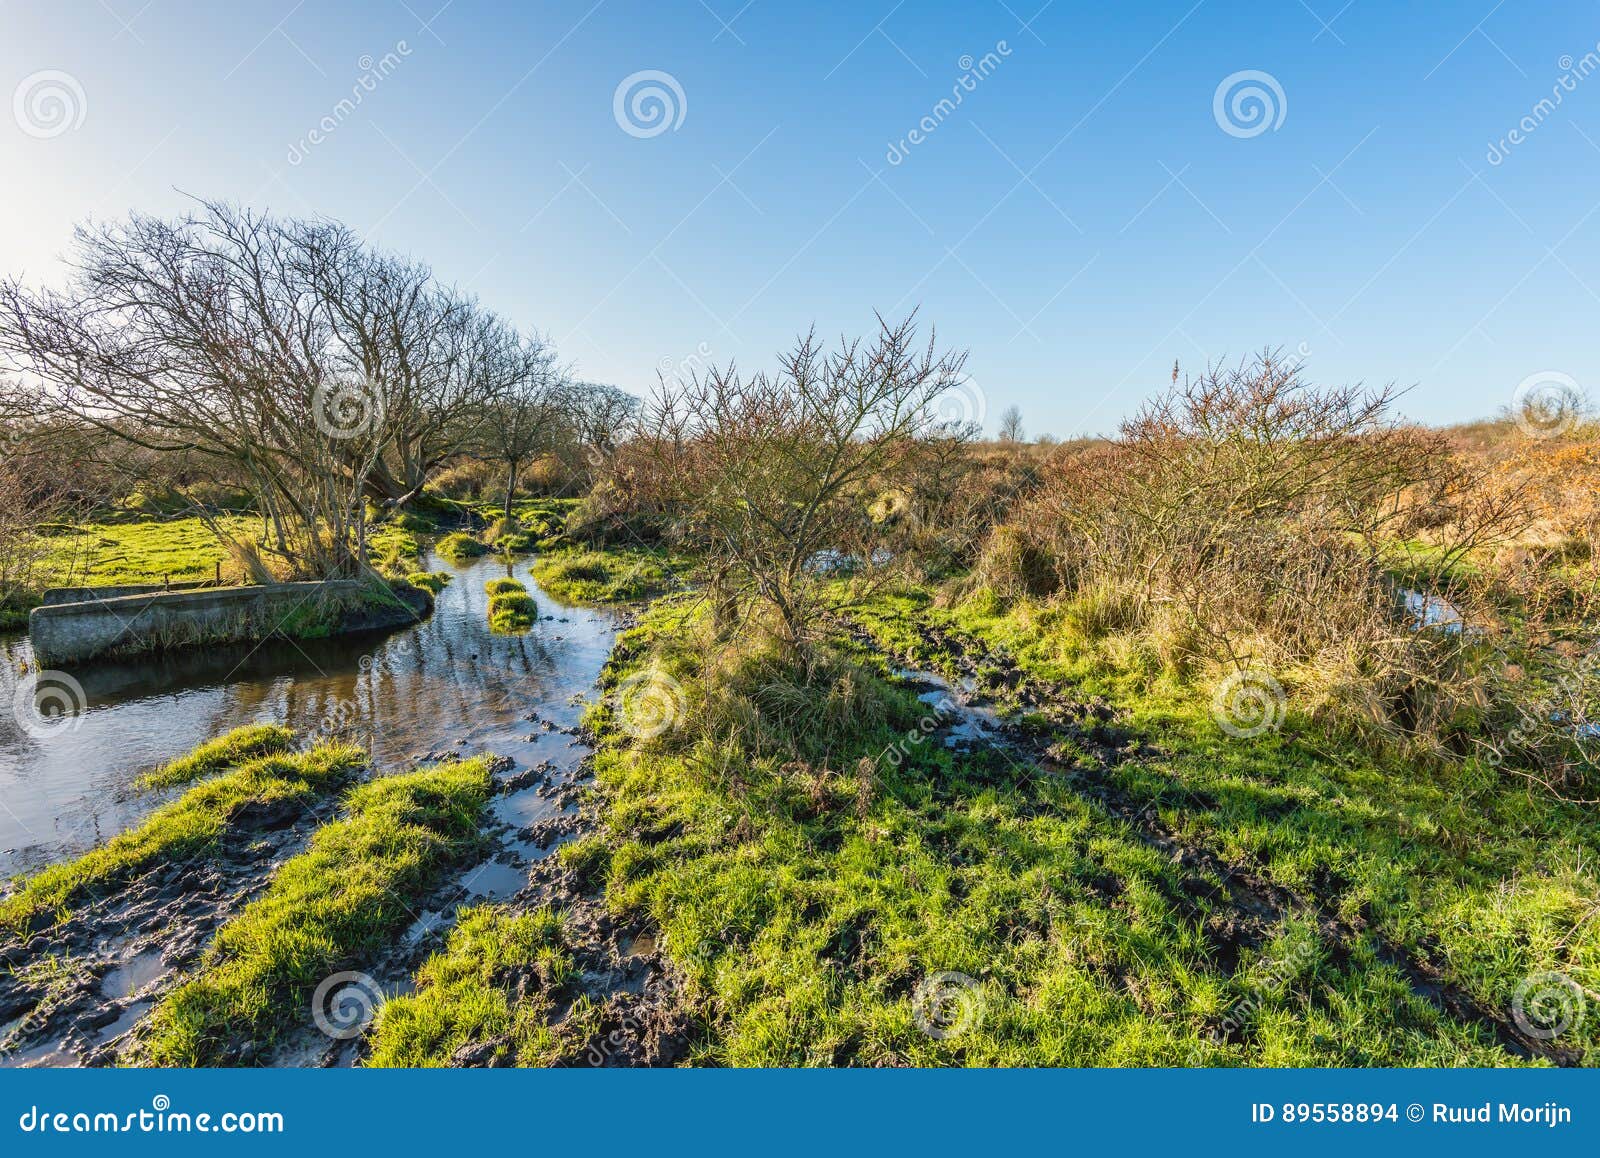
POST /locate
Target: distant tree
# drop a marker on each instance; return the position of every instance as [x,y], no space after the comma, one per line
[1011,425]
[529,415]
[602,415]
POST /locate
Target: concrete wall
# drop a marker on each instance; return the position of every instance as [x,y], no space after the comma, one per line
[65,633]
[88,594]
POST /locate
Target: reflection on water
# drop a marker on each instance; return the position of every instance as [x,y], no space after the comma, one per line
[445,685]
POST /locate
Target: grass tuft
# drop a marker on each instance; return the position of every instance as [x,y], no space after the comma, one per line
[221,754]
[492,983]
[432,582]
[605,576]
[460,547]
[191,826]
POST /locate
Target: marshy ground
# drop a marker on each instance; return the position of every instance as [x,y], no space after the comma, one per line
[576,819]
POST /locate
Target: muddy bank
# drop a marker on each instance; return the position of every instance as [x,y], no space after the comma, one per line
[446,683]
[622,1004]
[445,689]
[70,993]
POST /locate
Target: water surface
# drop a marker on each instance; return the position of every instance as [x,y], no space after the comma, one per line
[446,686]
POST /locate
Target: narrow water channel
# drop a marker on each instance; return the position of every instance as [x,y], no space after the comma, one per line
[445,687]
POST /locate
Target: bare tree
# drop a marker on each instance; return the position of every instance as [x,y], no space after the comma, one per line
[602,414]
[211,336]
[527,417]
[774,474]
[1011,425]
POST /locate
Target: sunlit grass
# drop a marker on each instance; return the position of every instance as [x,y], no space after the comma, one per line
[612,576]
[333,907]
[192,825]
[810,901]
[227,751]
[493,982]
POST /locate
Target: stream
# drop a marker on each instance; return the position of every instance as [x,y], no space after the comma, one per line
[446,687]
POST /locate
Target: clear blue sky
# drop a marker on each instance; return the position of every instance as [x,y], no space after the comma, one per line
[1078,222]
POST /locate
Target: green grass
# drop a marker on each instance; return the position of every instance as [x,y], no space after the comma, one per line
[503,585]
[493,981]
[219,755]
[1451,860]
[191,826]
[460,547]
[810,898]
[334,907]
[144,550]
[617,576]
[511,608]
[432,582]
[544,520]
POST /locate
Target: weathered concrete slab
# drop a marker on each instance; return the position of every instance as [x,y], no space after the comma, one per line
[89,594]
[66,633]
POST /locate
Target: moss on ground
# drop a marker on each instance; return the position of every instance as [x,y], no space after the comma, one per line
[333,907]
[191,826]
[493,982]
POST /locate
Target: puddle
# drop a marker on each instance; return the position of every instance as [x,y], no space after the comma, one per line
[962,723]
[494,880]
[132,975]
[129,1017]
[1433,611]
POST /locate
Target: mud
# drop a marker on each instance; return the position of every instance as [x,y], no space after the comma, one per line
[78,993]
[70,993]
[643,1017]
[1258,907]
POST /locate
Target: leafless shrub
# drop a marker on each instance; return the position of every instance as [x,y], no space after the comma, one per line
[773,475]
[1248,519]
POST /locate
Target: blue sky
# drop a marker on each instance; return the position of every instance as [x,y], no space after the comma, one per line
[1079,221]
